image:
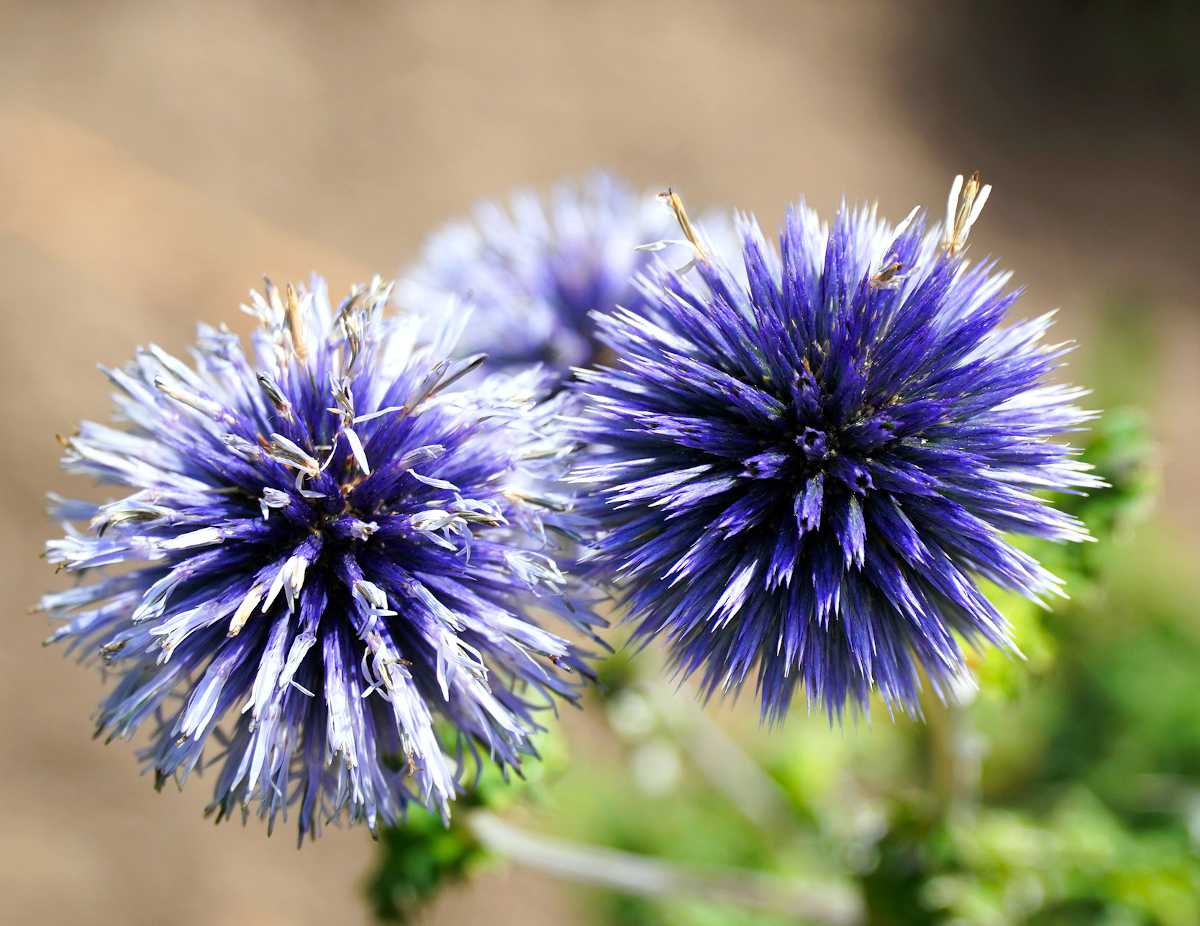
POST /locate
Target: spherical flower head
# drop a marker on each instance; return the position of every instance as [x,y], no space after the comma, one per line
[800,467]
[534,271]
[333,559]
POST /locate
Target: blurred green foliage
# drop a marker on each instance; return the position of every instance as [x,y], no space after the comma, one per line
[424,854]
[416,860]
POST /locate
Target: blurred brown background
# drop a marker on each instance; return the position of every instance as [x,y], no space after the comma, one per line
[157,158]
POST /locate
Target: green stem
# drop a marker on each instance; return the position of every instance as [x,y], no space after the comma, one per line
[721,760]
[630,873]
[954,757]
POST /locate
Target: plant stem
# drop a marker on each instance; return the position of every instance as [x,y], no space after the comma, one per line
[722,761]
[954,758]
[638,874]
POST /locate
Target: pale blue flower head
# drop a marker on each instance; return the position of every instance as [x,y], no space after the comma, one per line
[334,562]
[535,270]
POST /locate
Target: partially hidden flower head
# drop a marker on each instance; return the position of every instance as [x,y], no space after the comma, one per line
[801,465]
[333,561]
[535,270]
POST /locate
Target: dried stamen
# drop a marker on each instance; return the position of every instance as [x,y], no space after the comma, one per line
[963,207]
[671,198]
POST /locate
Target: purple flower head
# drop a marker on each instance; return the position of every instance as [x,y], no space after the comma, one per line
[534,272]
[329,561]
[800,466]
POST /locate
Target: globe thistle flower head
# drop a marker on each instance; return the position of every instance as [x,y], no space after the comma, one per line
[800,465]
[534,271]
[331,548]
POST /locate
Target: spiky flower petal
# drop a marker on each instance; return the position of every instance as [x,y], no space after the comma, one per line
[801,464]
[534,271]
[331,547]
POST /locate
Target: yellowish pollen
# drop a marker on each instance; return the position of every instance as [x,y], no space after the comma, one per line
[671,198]
[963,208]
[296,324]
[245,609]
